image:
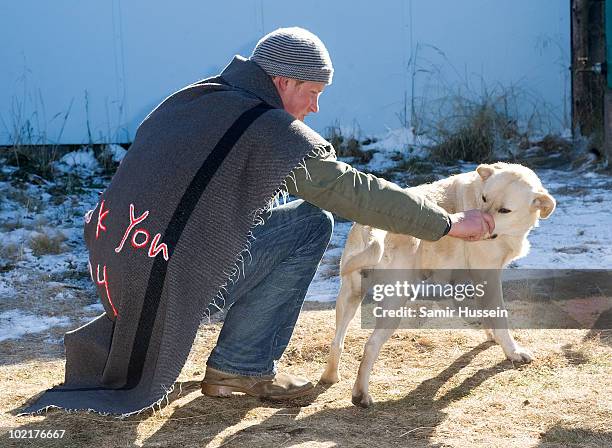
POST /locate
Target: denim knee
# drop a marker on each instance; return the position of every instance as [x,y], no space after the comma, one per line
[327,222]
[323,221]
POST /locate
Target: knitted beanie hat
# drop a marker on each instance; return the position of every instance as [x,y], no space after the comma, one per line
[294,53]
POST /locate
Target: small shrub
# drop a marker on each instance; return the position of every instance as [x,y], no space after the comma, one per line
[109,166]
[348,146]
[474,136]
[11,252]
[33,159]
[481,127]
[43,243]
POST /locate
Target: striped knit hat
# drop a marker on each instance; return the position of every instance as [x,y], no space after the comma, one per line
[294,53]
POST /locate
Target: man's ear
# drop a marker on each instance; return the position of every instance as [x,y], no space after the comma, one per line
[545,203]
[280,82]
[485,170]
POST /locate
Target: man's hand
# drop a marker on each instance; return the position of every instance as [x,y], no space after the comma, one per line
[471,225]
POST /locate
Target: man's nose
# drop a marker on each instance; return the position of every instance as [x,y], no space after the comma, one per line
[314,106]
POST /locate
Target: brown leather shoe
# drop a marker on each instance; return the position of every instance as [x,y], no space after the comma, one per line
[281,386]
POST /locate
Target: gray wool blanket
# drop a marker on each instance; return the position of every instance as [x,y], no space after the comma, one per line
[171,230]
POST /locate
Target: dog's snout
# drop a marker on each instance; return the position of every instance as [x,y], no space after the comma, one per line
[494,236]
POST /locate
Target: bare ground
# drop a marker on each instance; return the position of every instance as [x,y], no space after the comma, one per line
[433,388]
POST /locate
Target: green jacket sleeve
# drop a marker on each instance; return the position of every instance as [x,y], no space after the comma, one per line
[364,198]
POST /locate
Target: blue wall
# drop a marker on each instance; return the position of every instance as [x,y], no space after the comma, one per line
[129,55]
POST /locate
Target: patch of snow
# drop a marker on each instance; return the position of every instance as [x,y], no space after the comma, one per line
[82,161]
[8,169]
[117,152]
[400,140]
[54,341]
[15,236]
[64,295]
[7,291]
[326,282]
[380,162]
[51,264]
[15,323]
[94,308]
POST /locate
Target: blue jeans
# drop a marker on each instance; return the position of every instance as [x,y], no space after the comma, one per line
[265,304]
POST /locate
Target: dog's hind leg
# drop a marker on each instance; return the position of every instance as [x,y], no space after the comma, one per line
[360,395]
[347,303]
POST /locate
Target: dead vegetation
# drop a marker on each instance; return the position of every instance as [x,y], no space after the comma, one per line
[10,254]
[47,243]
[348,145]
[432,389]
[473,133]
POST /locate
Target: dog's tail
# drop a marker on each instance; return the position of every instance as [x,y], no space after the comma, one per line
[373,243]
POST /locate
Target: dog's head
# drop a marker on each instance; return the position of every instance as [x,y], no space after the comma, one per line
[514,195]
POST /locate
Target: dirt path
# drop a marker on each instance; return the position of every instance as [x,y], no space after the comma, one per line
[432,389]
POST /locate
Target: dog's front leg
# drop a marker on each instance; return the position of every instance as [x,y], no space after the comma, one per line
[497,328]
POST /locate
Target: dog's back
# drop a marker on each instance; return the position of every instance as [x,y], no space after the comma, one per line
[366,246]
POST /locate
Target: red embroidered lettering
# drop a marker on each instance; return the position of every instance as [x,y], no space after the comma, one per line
[154,249]
[89,214]
[144,243]
[104,282]
[133,222]
[101,216]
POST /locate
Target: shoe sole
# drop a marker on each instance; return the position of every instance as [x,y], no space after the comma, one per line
[216,390]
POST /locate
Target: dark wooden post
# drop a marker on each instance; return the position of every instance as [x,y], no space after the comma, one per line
[588,69]
[608,95]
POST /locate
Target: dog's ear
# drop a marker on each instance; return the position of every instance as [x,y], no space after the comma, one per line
[545,203]
[485,170]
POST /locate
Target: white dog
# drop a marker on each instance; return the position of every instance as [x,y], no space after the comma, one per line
[515,197]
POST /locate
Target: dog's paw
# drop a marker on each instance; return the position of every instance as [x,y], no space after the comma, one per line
[362,400]
[329,378]
[519,354]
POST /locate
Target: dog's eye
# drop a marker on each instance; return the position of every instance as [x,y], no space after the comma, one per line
[484,199]
[504,210]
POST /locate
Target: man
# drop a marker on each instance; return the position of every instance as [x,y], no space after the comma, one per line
[287,249]
[179,211]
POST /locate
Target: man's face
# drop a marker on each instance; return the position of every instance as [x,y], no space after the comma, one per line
[299,98]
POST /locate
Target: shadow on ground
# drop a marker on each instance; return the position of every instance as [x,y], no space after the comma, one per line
[410,420]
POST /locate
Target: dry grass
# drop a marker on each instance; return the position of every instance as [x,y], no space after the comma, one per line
[432,389]
[11,252]
[347,146]
[45,243]
[30,203]
[474,129]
